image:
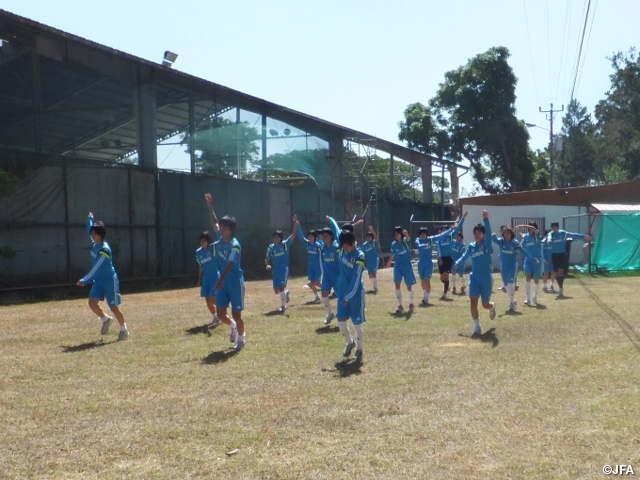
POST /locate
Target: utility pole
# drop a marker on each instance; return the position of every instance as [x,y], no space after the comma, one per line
[552,167]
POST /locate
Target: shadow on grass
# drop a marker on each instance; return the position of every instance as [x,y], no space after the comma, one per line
[370,292]
[487,337]
[563,297]
[206,329]
[327,329]
[406,315]
[446,299]
[625,326]
[511,313]
[346,368]
[273,313]
[312,302]
[220,356]
[84,346]
[425,305]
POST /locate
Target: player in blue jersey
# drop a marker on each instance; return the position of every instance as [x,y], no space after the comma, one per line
[230,286]
[314,267]
[207,265]
[106,284]
[547,268]
[425,243]
[457,249]
[278,253]
[559,260]
[329,252]
[351,293]
[532,269]
[372,260]
[445,261]
[402,268]
[480,279]
[509,247]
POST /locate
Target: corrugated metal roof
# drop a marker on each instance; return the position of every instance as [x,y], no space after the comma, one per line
[616,207]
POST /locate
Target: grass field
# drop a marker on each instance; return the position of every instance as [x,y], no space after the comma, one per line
[549,393]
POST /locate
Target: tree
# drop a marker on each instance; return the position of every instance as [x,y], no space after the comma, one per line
[541,176]
[473,117]
[618,119]
[576,165]
[224,147]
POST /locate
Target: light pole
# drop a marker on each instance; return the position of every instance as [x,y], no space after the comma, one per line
[552,173]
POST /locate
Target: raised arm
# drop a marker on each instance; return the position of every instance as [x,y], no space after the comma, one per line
[373,232]
[89,225]
[458,228]
[212,214]
[334,226]
[296,225]
[579,236]
[462,259]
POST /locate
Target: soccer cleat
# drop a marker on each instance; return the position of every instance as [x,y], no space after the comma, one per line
[400,309]
[375,291]
[503,288]
[411,307]
[286,296]
[329,317]
[561,292]
[215,321]
[105,325]
[492,313]
[454,291]
[233,337]
[517,287]
[240,343]
[424,302]
[477,331]
[357,357]
[348,349]
[512,307]
[535,299]
[545,289]
[123,335]
[443,297]
[463,291]
[317,300]
[527,301]
[282,309]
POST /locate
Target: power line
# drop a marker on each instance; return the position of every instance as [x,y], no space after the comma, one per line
[584,30]
[533,70]
[593,16]
[567,14]
[549,48]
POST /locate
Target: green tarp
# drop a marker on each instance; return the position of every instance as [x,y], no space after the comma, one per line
[617,245]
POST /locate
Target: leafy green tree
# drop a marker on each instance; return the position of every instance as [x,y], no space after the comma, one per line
[224,147]
[618,119]
[473,117]
[541,176]
[576,165]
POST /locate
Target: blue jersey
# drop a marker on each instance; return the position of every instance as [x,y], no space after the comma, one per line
[370,250]
[101,259]
[547,249]
[229,252]
[508,252]
[313,249]
[206,258]
[351,267]
[457,249]
[559,240]
[480,254]
[447,238]
[401,253]
[425,247]
[329,256]
[279,254]
[532,245]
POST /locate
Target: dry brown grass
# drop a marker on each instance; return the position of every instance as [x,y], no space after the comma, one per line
[554,394]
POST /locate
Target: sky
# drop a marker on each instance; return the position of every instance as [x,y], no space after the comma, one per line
[359,63]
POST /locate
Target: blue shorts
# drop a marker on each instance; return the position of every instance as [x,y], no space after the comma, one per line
[208,288]
[548,266]
[232,291]
[532,268]
[425,269]
[372,267]
[480,286]
[509,275]
[406,272]
[329,282]
[314,272]
[107,289]
[280,278]
[354,308]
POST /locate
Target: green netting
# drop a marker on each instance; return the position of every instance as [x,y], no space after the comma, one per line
[617,246]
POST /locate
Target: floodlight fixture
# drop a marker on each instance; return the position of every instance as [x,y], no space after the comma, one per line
[170,56]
